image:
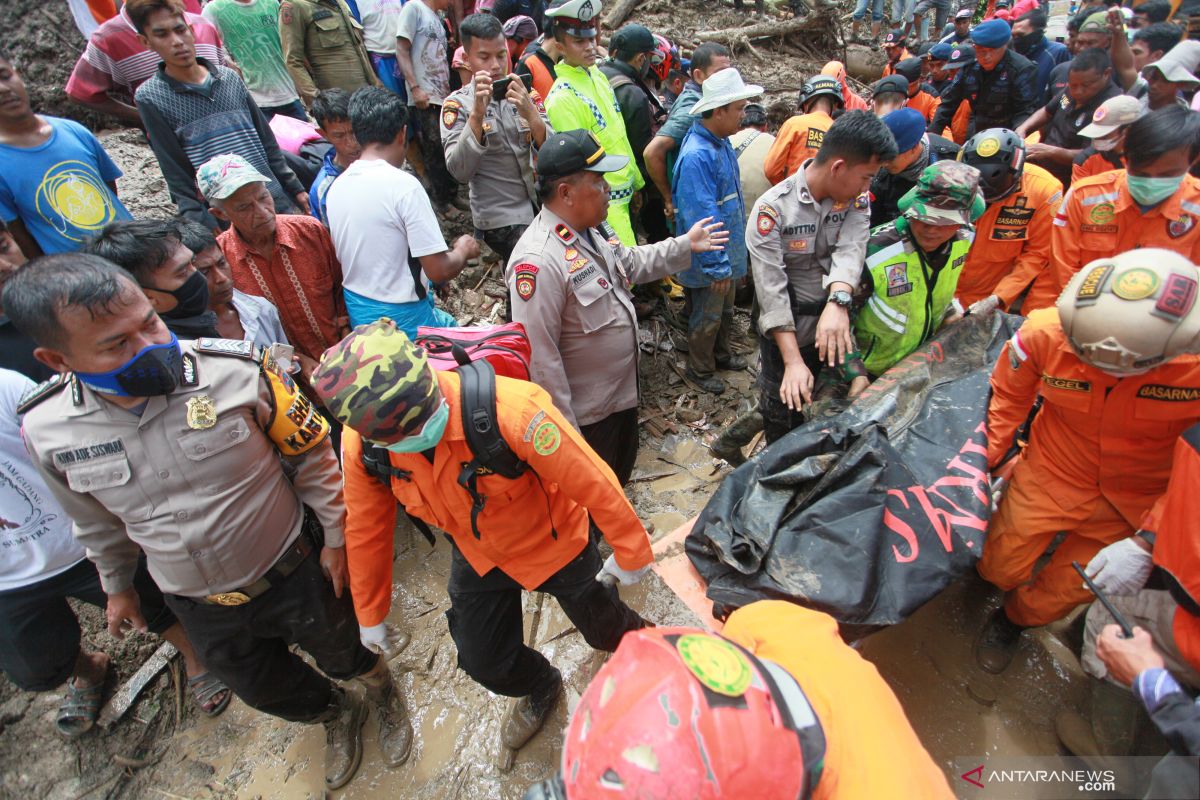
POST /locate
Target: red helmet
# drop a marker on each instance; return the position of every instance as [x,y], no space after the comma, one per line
[664,58]
[683,713]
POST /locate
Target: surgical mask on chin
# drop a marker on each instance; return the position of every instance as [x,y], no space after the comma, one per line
[191,297]
[1104,145]
[1152,191]
[154,370]
[429,436]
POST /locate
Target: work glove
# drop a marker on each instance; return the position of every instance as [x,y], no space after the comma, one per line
[387,640]
[1121,568]
[985,306]
[612,574]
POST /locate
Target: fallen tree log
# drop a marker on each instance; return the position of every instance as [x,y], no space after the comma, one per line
[619,13]
[767,30]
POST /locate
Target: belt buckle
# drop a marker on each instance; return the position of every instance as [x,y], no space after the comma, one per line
[228,599]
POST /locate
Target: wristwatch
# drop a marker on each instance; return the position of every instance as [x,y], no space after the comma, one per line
[841,297]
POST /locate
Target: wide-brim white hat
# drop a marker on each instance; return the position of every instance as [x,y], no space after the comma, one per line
[723,88]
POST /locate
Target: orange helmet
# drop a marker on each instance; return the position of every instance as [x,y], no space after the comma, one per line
[683,713]
[837,69]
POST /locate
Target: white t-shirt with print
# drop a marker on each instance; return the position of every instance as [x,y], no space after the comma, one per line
[35,533]
[422,26]
[378,216]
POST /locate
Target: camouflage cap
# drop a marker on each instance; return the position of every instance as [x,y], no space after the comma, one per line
[378,382]
[947,193]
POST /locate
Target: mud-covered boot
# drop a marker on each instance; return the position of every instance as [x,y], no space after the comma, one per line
[997,643]
[343,737]
[395,727]
[528,714]
[728,445]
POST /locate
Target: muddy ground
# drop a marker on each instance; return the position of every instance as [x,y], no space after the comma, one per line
[157,753]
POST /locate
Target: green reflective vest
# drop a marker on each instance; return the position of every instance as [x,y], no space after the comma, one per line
[583,99]
[910,297]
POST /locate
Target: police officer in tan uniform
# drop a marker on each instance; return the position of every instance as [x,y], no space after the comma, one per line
[178,449]
[570,277]
[323,47]
[491,143]
[807,238]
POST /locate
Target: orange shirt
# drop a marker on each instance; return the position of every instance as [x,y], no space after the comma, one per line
[925,103]
[530,527]
[871,750]
[890,67]
[1094,164]
[1097,435]
[960,125]
[1177,548]
[1012,241]
[1099,219]
[798,140]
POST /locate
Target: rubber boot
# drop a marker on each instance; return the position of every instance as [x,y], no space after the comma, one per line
[395,728]
[528,714]
[997,642]
[343,737]
[736,436]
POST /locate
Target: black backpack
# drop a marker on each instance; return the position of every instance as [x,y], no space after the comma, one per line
[492,455]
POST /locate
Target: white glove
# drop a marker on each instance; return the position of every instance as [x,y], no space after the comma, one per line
[985,306]
[611,573]
[1121,568]
[387,640]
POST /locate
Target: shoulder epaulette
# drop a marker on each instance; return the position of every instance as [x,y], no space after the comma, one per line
[238,348]
[43,391]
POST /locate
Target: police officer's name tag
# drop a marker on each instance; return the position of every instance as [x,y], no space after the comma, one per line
[78,455]
[589,284]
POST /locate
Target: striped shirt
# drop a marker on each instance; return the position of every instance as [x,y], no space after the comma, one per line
[115,60]
[188,124]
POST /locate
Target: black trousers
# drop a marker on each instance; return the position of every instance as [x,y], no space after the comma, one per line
[442,186]
[39,633]
[486,623]
[778,419]
[246,646]
[615,439]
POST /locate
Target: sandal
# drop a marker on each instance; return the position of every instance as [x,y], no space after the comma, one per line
[79,709]
[204,689]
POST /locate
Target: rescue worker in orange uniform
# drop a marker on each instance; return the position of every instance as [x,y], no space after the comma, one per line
[921,95]
[1114,364]
[1170,613]
[800,137]
[1110,124]
[507,535]
[1012,238]
[1153,202]
[893,46]
[851,100]
[777,707]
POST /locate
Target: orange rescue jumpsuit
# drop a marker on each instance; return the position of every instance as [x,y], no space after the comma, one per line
[531,527]
[1177,546]
[799,140]
[1012,243]
[1099,457]
[890,67]
[926,103]
[871,750]
[1099,219]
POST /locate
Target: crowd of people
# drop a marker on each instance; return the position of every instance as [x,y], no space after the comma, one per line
[209,422]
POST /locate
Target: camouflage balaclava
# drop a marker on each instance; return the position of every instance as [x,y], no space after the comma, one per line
[378,382]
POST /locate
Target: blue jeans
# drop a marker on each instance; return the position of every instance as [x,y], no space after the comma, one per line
[710,320]
[294,109]
[902,12]
[860,10]
[941,14]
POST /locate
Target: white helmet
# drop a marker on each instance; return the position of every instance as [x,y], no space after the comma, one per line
[1127,314]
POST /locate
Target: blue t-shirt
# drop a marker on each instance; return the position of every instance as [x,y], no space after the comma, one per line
[59,189]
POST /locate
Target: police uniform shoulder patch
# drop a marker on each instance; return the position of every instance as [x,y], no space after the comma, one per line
[191,376]
[525,280]
[295,427]
[450,110]
[767,218]
[43,391]
[862,202]
[564,233]
[237,348]
[536,97]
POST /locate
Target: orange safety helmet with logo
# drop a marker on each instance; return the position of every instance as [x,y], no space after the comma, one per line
[679,712]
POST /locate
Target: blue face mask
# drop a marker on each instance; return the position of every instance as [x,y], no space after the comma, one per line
[429,436]
[154,370]
[1152,191]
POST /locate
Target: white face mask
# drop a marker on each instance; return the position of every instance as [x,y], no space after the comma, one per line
[1105,145]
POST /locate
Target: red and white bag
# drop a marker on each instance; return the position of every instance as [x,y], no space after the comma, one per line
[505,347]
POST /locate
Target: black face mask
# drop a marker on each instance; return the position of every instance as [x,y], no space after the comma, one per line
[1025,42]
[192,298]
